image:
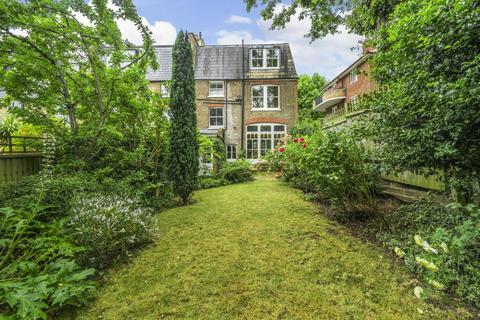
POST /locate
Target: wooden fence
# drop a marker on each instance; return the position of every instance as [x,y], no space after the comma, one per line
[19,157]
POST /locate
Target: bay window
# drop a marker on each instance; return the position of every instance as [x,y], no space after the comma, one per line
[263,138]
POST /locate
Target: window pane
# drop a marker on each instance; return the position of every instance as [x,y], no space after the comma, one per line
[257,53]
[266,128]
[272,91]
[279,128]
[252,128]
[231,152]
[257,103]
[257,58]
[265,143]
[257,91]
[278,139]
[272,58]
[272,103]
[257,94]
[252,146]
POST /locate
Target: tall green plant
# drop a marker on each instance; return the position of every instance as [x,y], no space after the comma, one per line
[184,155]
[68,58]
[332,165]
[428,69]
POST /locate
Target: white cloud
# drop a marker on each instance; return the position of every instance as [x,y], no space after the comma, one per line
[328,56]
[235,37]
[163,32]
[239,20]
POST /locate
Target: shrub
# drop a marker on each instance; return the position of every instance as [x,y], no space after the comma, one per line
[55,193]
[207,182]
[236,172]
[109,227]
[440,243]
[331,165]
[38,274]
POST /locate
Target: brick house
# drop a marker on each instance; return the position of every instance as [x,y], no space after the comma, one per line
[245,94]
[340,96]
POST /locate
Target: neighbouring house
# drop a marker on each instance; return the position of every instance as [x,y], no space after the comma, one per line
[341,103]
[340,97]
[4,111]
[246,94]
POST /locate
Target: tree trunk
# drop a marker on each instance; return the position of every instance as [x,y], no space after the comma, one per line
[72,119]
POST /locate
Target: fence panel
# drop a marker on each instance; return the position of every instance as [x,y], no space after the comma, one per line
[19,157]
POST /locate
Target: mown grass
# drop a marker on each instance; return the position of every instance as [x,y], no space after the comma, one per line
[258,251]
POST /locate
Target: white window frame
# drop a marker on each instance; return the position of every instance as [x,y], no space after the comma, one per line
[353,76]
[212,94]
[164,90]
[231,152]
[275,136]
[217,117]
[264,58]
[265,98]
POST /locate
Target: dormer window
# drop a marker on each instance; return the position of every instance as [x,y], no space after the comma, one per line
[265,58]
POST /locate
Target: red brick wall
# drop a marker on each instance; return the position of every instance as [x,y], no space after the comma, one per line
[363,85]
[266,120]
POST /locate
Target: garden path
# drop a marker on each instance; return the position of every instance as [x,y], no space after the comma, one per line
[258,251]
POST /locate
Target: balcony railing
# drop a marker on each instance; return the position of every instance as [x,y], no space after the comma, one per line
[19,144]
[349,109]
[334,93]
[329,98]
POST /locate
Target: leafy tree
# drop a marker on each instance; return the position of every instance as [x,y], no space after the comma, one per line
[67,63]
[426,114]
[183,164]
[309,88]
[359,16]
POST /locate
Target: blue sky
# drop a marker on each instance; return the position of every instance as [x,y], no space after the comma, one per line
[227,22]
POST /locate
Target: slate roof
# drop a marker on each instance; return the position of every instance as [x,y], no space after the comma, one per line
[164,59]
[219,62]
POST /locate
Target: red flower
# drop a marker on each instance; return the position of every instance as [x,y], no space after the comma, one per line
[305,145]
[295,140]
[302,140]
[282,149]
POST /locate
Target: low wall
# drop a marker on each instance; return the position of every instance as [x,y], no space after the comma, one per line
[13,167]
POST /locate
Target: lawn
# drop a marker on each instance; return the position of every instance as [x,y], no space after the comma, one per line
[258,251]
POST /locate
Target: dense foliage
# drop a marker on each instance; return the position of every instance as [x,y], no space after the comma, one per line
[69,67]
[309,88]
[38,272]
[183,162]
[440,243]
[84,88]
[328,16]
[331,165]
[426,113]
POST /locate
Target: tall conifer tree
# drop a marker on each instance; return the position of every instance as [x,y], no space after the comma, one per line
[183,164]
